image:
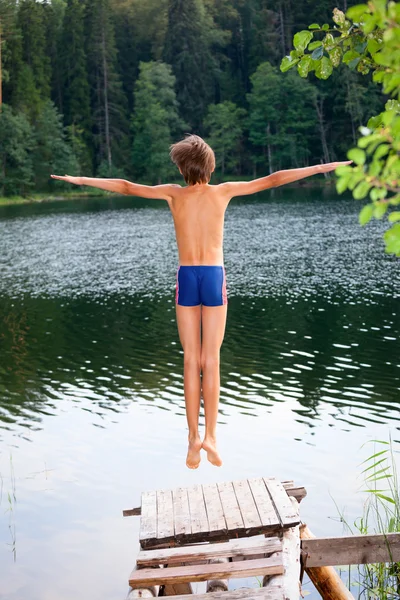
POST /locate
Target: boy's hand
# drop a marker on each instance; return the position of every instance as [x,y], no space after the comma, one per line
[325,168]
[68,179]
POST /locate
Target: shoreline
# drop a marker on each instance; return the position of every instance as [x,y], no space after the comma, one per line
[38,198]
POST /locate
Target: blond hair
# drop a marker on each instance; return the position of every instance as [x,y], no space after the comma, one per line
[194,158]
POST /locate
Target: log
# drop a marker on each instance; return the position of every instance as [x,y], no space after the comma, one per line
[151,592]
[325,579]
[217,585]
[289,582]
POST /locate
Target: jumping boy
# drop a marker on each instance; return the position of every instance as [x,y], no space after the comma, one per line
[198,211]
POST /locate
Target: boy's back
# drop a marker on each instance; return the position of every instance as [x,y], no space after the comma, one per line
[198,212]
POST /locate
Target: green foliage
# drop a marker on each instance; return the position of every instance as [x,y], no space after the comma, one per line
[282,118]
[154,120]
[225,122]
[16,144]
[52,153]
[379,581]
[366,39]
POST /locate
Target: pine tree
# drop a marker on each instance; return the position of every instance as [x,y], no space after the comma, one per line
[187,50]
[52,153]
[108,101]
[75,84]
[225,123]
[16,143]
[154,121]
[32,22]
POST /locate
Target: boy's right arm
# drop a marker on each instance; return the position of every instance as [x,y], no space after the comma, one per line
[123,187]
[244,188]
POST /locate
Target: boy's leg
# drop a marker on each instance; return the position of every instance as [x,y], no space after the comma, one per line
[189,322]
[213,323]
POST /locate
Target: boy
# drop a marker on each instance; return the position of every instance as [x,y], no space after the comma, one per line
[201,303]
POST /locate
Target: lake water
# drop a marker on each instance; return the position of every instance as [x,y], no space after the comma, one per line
[91,394]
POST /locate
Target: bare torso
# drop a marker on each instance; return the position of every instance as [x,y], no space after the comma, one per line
[198,212]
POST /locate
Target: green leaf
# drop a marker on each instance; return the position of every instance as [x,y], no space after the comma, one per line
[361,190]
[392,239]
[394,216]
[341,183]
[356,155]
[355,12]
[380,209]
[386,498]
[366,214]
[373,46]
[314,26]
[287,63]
[369,23]
[378,76]
[325,27]
[343,170]
[324,68]
[374,456]
[304,65]
[314,45]
[318,53]
[335,55]
[382,150]
[302,39]
[350,55]
[353,63]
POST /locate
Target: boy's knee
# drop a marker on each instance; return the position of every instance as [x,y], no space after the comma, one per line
[191,359]
[209,361]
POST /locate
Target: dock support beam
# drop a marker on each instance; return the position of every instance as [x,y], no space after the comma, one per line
[325,579]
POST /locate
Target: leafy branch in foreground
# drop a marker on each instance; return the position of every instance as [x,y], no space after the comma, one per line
[366,39]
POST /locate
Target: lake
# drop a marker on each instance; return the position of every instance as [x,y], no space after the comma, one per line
[91,402]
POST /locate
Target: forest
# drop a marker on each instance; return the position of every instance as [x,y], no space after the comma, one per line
[103,87]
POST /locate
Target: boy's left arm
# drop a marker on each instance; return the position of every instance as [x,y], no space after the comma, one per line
[243,188]
[123,187]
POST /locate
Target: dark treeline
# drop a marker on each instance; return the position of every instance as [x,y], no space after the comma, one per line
[102,87]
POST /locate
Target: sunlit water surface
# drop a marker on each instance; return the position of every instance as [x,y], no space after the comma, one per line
[91,395]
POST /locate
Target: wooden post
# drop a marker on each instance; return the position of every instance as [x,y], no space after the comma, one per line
[217,585]
[325,579]
[289,582]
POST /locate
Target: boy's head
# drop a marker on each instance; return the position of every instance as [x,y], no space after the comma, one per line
[194,158]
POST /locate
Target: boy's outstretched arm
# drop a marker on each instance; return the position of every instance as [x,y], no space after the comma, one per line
[243,188]
[123,187]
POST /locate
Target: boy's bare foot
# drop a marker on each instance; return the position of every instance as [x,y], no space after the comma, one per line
[210,446]
[193,456]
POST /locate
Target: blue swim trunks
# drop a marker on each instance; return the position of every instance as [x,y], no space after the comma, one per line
[201,285]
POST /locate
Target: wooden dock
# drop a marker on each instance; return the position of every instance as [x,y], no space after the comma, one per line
[234,530]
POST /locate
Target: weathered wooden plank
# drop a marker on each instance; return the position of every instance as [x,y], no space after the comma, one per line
[181,514]
[193,573]
[173,588]
[148,521]
[197,508]
[233,516]
[238,594]
[288,514]
[246,503]
[352,550]
[215,512]
[165,514]
[263,501]
[296,491]
[188,554]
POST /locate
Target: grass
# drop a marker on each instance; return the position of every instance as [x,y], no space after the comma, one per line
[381,515]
